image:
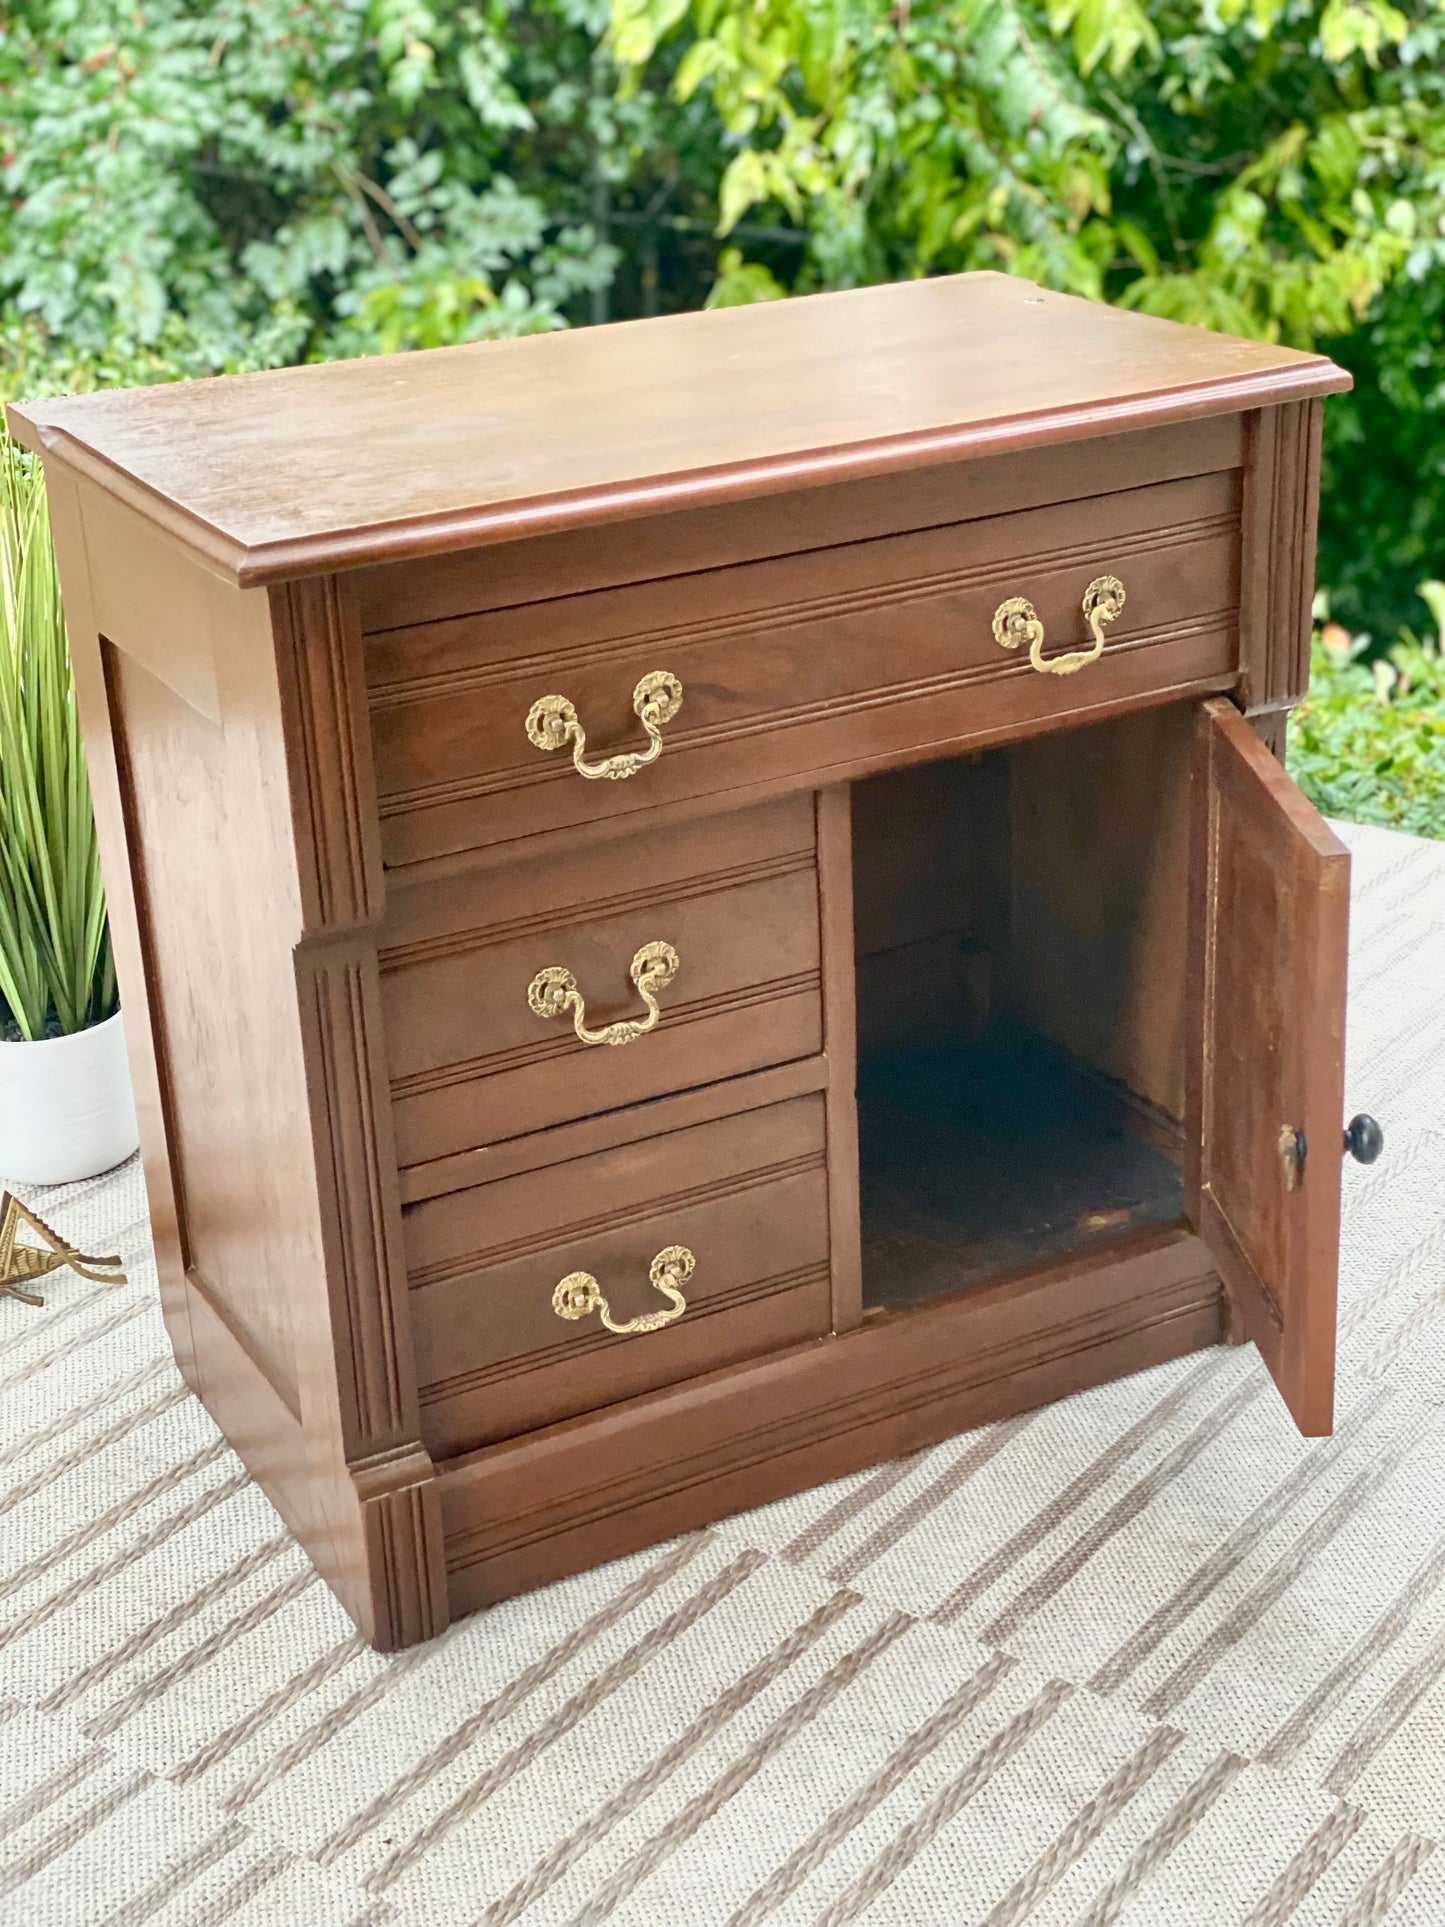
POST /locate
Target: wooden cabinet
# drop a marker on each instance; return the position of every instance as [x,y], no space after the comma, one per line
[704,903]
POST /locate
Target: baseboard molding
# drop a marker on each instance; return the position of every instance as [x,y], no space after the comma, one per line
[535,1509]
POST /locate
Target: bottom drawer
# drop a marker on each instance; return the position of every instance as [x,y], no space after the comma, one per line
[745,1196]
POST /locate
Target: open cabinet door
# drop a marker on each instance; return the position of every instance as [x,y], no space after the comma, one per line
[1270,908]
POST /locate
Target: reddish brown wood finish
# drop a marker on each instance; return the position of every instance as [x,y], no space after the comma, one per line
[1099,842]
[471,1063]
[1269,949]
[746,1194]
[471,581]
[584,1135]
[1281,509]
[530,1511]
[238,782]
[420,453]
[122,856]
[334,863]
[840,1042]
[790,667]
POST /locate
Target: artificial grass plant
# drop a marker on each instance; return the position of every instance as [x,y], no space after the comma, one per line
[57,974]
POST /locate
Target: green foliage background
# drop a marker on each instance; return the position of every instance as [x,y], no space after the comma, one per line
[191,188]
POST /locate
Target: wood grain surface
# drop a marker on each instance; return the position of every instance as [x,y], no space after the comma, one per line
[746,1194]
[527,1512]
[789,664]
[310,611]
[301,470]
[1270,917]
[471,1062]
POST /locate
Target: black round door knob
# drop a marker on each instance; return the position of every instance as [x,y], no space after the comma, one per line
[1364,1140]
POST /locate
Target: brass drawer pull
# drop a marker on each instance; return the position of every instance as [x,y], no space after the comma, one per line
[579,1293]
[1017,621]
[553,992]
[552,723]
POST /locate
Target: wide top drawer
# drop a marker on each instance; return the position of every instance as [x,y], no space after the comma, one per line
[768,673]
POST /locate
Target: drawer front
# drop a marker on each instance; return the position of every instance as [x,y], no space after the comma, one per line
[829,660]
[471,1061]
[746,1196]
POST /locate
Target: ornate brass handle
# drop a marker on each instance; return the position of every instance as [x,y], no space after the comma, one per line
[579,1293]
[552,723]
[1017,621]
[553,992]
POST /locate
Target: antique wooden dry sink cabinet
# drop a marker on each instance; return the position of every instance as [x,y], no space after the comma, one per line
[707,902]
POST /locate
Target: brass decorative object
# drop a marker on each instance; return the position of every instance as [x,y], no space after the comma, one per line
[1017,621]
[19,1261]
[553,992]
[579,1293]
[552,722]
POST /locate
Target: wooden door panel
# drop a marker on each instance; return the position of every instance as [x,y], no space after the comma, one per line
[1268,951]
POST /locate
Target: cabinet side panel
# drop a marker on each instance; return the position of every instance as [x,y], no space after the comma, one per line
[223,1012]
[118,852]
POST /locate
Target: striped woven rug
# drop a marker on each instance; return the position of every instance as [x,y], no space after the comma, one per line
[1145,1657]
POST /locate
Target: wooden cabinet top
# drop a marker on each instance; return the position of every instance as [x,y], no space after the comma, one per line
[298,470]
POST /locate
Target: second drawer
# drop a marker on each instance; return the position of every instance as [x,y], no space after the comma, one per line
[499,1352]
[472,1059]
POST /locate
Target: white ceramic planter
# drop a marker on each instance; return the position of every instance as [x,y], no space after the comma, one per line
[66,1109]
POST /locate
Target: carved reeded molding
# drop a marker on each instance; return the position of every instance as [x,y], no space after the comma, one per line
[1277,562]
[402,1527]
[1272,726]
[338,858]
[318,645]
[333,808]
[356,1169]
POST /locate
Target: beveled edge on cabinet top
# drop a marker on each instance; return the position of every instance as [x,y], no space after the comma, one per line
[297,471]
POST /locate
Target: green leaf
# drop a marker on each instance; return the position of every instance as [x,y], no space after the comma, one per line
[1360,27]
[743,185]
[1432,594]
[1140,247]
[741,282]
